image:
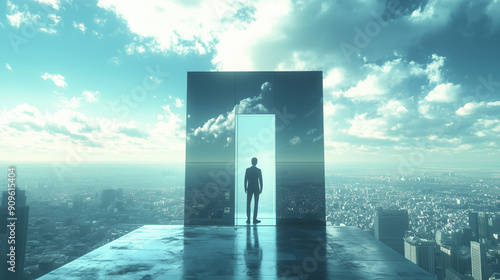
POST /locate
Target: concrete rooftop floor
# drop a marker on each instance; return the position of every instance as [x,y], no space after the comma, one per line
[242,252]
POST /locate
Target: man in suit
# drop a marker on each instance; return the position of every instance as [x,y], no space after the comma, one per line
[253,187]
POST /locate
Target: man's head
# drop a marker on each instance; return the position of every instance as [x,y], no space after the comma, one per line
[254,161]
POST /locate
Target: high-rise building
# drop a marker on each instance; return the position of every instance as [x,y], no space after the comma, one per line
[493,226]
[478,260]
[449,257]
[452,274]
[421,253]
[107,197]
[465,237]
[482,226]
[473,224]
[390,227]
[8,257]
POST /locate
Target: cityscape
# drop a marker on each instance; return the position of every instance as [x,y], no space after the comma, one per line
[73,216]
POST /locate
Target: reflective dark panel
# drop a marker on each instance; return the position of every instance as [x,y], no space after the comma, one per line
[209,193]
[299,117]
[210,117]
[300,193]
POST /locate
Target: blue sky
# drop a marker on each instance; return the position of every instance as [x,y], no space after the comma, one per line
[411,82]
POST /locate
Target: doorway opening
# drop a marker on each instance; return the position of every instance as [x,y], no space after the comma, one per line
[256,137]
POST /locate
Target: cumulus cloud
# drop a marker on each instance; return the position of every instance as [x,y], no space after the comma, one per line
[363,127]
[186,27]
[72,103]
[472,108]
[18,16]
[79,26]
[91,97]
[445,93]
[33,135]
[392,107]
[55,4]
[58,79]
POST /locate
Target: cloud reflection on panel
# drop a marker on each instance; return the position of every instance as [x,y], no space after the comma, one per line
[218,131]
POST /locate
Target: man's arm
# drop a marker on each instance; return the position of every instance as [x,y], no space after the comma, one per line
[261,182]
[245,184]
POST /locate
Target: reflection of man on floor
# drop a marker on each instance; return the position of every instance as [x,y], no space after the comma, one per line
[253,187]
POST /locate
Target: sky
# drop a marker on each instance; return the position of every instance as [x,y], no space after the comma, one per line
[410,82]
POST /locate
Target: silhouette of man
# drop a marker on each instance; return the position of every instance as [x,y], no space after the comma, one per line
[253,187]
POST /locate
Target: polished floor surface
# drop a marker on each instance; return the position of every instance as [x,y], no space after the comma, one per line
[242,252]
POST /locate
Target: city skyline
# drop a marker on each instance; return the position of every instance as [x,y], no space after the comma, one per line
[411,83]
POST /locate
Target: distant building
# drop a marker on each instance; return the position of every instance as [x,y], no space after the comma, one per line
[478,260]
[482,223]
[452,274]
[421,253]
[390,227]
[473,224]
[465,237]
[449,257]
[442,237]
[107,197]
[21,232]
[493,227]
[495,276]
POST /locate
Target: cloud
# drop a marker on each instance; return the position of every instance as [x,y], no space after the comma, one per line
[363,127]
[72,103]
[44,21]
[392,107]
[79,26]
[58,79]
[115,60]
[76,101]
[295,140]
[492,10]
[368,89]
[55,4]
[186,27]
[179,103]
[472,108]
[444,93]
[91,97]
[17,18]
[8,67]
[133,132]
[32,135]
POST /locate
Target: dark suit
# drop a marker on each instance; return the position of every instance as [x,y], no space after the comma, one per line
[253,187]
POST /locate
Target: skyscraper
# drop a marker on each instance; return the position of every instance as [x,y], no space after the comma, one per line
[473,223]
[478,260]
[390,227]
[482,224]
[20,233]
[421,253]
[107,197]
[449,257]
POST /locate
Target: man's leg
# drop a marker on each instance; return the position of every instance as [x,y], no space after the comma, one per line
[256,206]
[249,200]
